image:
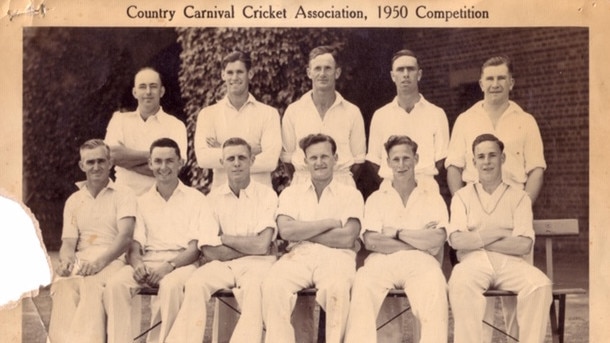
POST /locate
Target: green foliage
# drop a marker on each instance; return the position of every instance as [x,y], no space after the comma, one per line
[279,61]
[71,86]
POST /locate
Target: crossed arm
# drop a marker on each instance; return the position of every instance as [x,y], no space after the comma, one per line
[429,238]
[329,231]
[498,240]
[134,160]
[233,247]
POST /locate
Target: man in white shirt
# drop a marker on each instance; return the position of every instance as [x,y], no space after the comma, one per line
[170,218]
[324,110]
[525,164]
[412,115]
[238,114]
[492,230]
[98,225]
[130,134]
[321,219]
[405,230]
[237,253]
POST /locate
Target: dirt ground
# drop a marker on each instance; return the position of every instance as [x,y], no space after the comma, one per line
[570,271]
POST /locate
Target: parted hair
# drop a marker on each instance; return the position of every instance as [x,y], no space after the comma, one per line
[497,61]
[237,141]
[487,137]
[165,143]
[237,55]
[395,140]
[95,143]
[316,138]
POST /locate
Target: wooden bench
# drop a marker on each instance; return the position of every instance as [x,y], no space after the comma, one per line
[549,229]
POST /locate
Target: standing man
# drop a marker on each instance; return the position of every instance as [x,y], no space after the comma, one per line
[321,219]
[238,114]
[412,115]
[525,164]
[496,114]
[239,257]
[130,134]
[405,229]
[323,110]
[170,218]
[492,230]
[98,225]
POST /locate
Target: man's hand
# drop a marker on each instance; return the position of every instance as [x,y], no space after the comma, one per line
[90,268]
[140,273]
[64,268]
[431,225]
[155,275]
[389,231]
[212,142]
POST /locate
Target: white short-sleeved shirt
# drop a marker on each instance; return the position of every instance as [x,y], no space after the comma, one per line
[172,224]
[338,201]
[130,130]
[247,215]
[473,209]
[426,124]
[256,123]
[516,128]
[94,221]
[385,208]
[343,122]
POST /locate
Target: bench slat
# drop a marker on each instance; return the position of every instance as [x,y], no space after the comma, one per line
[556,227]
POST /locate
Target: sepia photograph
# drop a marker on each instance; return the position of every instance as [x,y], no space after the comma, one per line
[308,172]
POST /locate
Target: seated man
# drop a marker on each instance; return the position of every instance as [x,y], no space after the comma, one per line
[164,252]
[237,253]
[404,226]
[98,225]
[321,219]
[492,229]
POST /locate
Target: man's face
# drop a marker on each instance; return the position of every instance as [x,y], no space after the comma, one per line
[402,161]
[165,164]
[320,161]
[148,90]
[496,84]
[236,161]
[323,72]
[95,163]
[236,77]
[406,74]
[488,160]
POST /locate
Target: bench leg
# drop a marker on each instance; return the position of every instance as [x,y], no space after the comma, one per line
[303,320]
[558,316]
[226,316]
[389,321]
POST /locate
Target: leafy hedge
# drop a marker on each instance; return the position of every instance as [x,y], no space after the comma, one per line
[279,61]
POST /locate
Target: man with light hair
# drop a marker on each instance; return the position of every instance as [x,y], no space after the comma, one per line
[130,134]
[237,253]
[97,229]
[323,110]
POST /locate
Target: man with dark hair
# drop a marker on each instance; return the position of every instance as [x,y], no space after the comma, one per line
[321,220]
[525,164]
[237,253]
[404,228]
[170,218]
[324,110]
[412,115]
[491,228]
[130,134]
[238,114]
[98,225]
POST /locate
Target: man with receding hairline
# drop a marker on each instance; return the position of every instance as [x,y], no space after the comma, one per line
[97,228]
[130,134]
[323,110]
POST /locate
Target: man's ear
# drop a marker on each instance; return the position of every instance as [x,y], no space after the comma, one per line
[416,157]
[337,73]
[81,165]
[503,157]
[161,92]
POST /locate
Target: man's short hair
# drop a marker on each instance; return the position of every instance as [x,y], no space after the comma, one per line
[497,61]
[401,53]
[151,69]
[165,143]
[95,143]
[237,56]
[325,49]
[395,140]
[237,141]
[316,138]
[487,137]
